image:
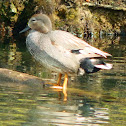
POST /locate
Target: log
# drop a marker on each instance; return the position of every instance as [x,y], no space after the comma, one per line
[7,75]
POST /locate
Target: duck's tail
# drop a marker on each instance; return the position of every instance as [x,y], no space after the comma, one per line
[88,65]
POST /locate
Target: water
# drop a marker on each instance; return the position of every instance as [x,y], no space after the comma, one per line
[93,100]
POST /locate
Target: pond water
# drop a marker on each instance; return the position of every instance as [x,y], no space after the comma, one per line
[93,100]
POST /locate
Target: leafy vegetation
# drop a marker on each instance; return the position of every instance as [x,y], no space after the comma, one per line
[66,15]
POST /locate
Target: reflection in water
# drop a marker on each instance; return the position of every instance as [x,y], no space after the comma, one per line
[95,99]
[24,105]
[78,114]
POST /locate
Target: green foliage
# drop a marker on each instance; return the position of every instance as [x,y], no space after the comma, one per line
[66,15]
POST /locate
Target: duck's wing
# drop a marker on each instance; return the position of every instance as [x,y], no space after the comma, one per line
[51,54]
[62,39]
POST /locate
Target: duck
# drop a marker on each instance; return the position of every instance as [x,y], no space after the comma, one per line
[61,51]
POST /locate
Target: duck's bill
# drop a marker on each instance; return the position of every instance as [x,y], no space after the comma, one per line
[25,29]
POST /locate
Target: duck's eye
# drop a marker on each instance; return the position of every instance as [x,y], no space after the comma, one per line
[33,20]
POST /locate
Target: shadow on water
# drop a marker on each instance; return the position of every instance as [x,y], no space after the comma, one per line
[94,99]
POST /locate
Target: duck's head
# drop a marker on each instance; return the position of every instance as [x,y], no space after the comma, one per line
[40,23]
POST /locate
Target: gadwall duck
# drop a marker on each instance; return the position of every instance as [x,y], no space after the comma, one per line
[61,51]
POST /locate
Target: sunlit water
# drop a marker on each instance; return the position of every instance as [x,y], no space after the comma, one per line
[93,100]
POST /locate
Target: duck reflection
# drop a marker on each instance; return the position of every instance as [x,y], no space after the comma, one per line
[79,113]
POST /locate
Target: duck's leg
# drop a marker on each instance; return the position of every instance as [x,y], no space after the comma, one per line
[65,87]
[57,85]
[59,79]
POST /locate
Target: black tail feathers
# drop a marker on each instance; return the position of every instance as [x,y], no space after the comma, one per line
[88,65]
